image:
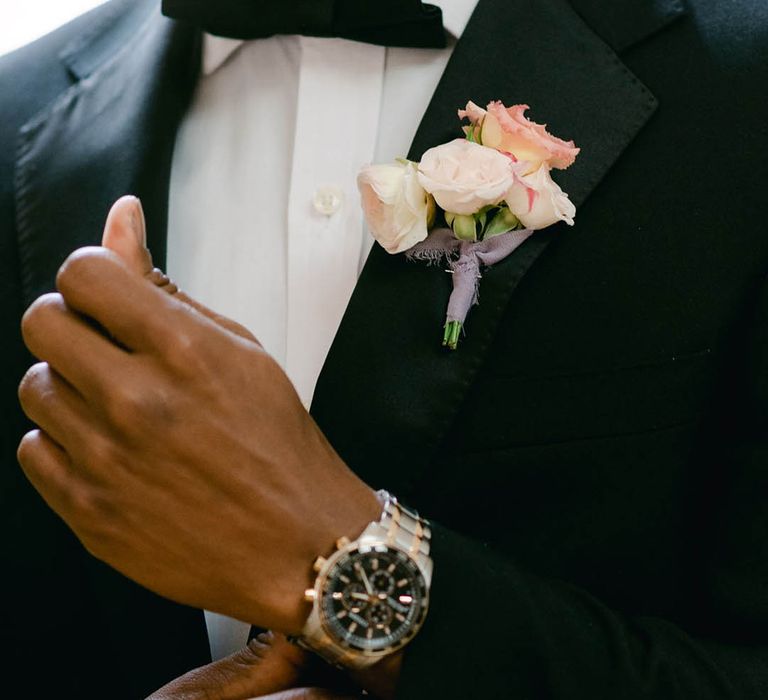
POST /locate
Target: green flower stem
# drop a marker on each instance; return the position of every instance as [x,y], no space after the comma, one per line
[451,334]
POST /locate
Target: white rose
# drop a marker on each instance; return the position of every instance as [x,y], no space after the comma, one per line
[464,177]
[538,201]
[395,205]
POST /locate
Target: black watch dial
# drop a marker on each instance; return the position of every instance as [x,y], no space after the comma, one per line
[374,598]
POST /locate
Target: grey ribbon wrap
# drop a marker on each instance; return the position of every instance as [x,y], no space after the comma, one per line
[441,244]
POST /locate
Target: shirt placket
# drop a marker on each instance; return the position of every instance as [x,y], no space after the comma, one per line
[338,107]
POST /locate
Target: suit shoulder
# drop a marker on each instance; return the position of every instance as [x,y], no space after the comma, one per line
[741,23]
[33,75]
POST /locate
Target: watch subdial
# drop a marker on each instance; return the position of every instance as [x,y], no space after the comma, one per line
[354,597]
[379,615]
[382,582]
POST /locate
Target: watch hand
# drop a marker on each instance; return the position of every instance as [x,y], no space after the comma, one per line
[401,605]
[364,579]
[360,596]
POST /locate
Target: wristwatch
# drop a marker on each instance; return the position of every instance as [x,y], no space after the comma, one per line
[371,595]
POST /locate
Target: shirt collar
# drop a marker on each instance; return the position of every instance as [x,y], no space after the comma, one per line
[217,49]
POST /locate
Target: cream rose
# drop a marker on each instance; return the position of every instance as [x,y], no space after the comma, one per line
[538,201]
[396,207]
[464,177]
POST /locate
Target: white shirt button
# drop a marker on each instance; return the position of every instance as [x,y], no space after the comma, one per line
[328,200]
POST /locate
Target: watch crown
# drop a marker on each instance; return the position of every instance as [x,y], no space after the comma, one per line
[310,595]
[319,564]
[342,542]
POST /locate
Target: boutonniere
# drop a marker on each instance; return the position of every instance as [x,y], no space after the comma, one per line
[470,202]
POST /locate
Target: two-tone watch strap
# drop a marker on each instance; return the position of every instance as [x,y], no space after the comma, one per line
[315,640]
[401,527]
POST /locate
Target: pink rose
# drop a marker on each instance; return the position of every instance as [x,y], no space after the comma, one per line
[396,207]
[464,177]
[507,129]
[537,200]
[474,113]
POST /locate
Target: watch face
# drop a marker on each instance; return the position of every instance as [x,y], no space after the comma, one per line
[374,598]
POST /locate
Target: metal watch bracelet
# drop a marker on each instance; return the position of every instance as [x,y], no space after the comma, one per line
[402,527]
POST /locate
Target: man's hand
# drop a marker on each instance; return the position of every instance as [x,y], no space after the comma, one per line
[268,664]
[269,667]
[177,449]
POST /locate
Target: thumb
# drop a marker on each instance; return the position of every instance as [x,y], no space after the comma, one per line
[125,233]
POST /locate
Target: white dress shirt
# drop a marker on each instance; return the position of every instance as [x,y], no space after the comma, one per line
[265,224]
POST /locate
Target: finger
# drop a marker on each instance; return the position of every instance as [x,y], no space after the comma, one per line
[125,234]
[54,405]
[79,353]
[223,321]
[257,669]
[162,281]
[96,283]
[48,468]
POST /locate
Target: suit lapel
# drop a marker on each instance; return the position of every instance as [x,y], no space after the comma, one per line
[112,133]
[388,392]
[623,23]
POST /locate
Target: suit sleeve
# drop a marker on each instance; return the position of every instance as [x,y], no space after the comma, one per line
[496,630]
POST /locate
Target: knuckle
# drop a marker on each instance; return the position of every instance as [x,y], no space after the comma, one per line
[245,658]
[83,266]
[97,452]
[34,384]
[36,318]
[125,401]
[187,352]
[91,517]
[28,448]
[184,344]
[134,409]
[82,502]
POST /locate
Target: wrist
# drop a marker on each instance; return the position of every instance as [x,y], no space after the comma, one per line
[345,514]
[380,680]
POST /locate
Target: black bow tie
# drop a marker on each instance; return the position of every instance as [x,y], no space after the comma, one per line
[382,22]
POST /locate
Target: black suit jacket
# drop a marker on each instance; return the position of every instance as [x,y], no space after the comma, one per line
[595,454]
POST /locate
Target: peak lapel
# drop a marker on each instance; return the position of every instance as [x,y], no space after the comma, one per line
[109,134]
[388,391]
[623,23]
